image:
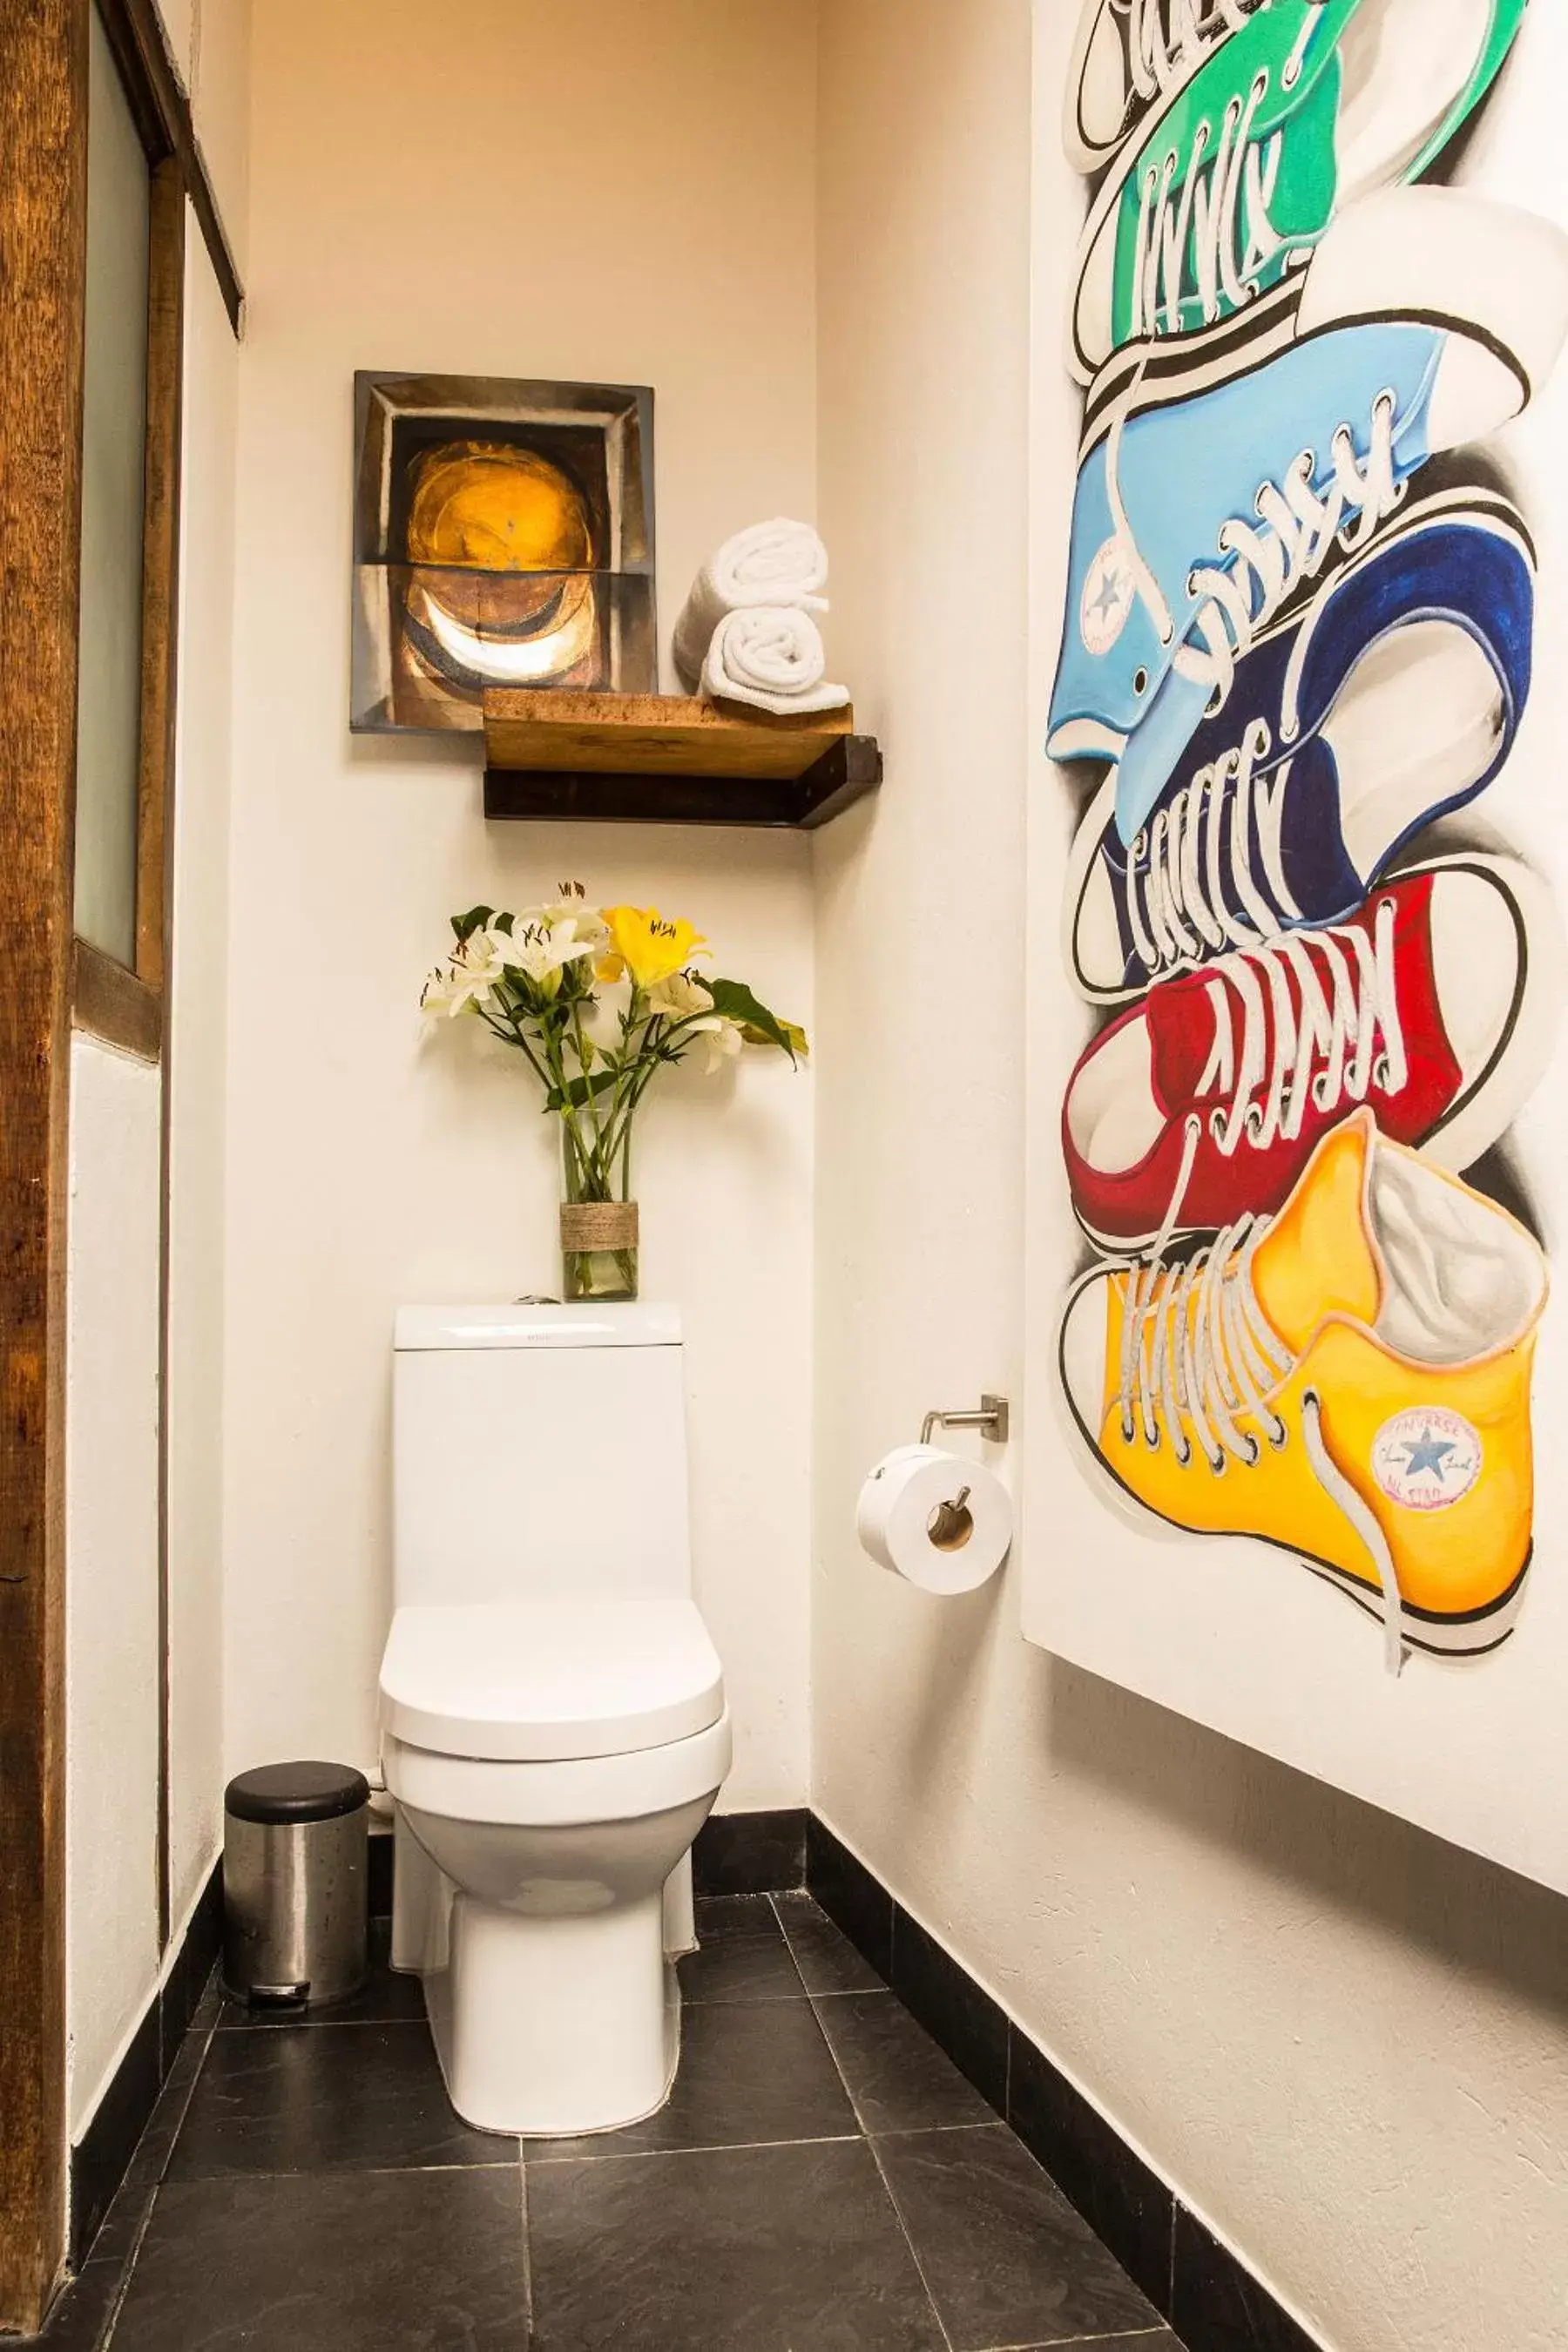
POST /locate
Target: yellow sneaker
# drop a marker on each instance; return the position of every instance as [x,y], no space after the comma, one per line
[1350,1381]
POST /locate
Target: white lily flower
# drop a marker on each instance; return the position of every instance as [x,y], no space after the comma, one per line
[468,982]
[721,1041]
[539,947]
[678,995]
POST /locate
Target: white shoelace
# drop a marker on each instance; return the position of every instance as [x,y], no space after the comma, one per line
[1300,529]
[1198,1351]
[1157,59]
[1175,888]
[1328,1042]
[1216,229]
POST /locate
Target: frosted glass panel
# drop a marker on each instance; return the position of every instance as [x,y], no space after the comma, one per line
[114,434]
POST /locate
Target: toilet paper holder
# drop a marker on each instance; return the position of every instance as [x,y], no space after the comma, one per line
[992,1414]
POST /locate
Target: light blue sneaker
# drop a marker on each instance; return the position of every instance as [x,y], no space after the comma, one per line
[1196,522]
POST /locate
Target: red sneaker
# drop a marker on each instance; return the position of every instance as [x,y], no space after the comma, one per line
[1436,1004]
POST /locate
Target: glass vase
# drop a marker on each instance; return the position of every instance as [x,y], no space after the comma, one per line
[598,1231]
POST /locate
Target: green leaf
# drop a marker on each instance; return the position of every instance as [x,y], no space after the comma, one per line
[735,1001]
[474,921]
[577,1091]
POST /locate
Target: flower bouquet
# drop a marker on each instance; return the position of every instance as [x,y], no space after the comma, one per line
[596,1002]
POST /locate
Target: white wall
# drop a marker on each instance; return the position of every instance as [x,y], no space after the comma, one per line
[625,192]
[111,1562]
[1342,2040]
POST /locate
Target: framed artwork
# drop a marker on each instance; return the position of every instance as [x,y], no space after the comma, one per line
[502,536]
[1302,1006]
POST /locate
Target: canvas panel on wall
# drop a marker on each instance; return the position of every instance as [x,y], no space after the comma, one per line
[1298,872]
[503,535]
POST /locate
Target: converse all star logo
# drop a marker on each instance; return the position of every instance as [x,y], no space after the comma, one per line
[1108,595]
[1427,1460]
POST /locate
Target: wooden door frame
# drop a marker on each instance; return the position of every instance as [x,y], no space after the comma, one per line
[46,978]
[42,247]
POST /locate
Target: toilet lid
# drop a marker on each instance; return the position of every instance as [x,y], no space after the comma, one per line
[544,1680]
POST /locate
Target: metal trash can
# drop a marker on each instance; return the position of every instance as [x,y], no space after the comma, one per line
[295,1883]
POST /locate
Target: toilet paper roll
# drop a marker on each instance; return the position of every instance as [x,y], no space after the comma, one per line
[940,1521]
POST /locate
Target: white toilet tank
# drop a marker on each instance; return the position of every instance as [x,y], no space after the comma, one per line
[538,1450]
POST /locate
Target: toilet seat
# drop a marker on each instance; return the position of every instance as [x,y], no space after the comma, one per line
[555,1679]
[566,1795]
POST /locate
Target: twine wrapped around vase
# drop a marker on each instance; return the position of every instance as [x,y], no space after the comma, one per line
[598,1225]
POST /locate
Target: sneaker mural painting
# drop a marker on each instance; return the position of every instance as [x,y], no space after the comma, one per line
[1438,1003]
[1292,647]
[1349,1382]
[1133,59]
[1231,180]
[1391,701]
[1198,519]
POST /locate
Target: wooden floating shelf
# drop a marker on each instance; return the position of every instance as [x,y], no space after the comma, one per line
[669,759]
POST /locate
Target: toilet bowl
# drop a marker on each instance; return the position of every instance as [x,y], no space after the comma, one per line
[554,1728]
[551,1761]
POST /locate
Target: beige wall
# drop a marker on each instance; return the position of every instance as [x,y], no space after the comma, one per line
[514,189]
[1341,2039]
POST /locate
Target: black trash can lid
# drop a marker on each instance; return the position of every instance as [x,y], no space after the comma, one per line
[296,1793]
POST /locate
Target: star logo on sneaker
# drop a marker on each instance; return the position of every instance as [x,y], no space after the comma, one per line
[1108,595]
[1426,1461]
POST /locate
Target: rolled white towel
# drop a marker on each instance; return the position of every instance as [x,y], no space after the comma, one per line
[777,563]
[771,655]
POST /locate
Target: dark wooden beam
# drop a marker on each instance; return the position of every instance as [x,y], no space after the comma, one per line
[42,239]
[850,768]
[163,113]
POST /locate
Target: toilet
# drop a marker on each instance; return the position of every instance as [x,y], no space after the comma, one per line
[554,1724]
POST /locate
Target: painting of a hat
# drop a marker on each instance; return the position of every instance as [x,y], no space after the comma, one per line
[503,537]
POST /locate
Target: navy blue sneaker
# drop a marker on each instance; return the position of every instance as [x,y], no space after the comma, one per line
[1391,699]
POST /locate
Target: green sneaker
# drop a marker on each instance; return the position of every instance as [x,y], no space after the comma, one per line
[1229,180]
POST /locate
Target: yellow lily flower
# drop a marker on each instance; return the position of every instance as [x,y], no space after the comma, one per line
[647,946]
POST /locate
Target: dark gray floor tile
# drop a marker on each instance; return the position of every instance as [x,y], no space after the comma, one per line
[426,2262]
[851,1897]
[384,1998]
[951,2006]
[317,2098]
[828,1960]
[750,1854]
[1007,2259]
[1218,2303]
[743,2250]
[898,2078]
[741,1953]
[749,2071]
[1123,2201]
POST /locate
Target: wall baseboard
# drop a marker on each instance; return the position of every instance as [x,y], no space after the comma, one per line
[101,2157]
[751,1853]
[1206,2294]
